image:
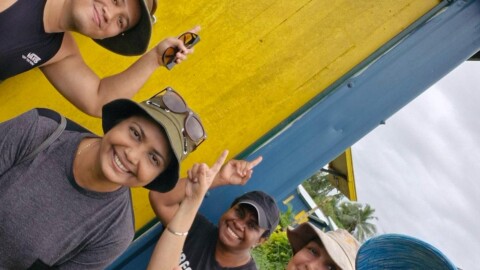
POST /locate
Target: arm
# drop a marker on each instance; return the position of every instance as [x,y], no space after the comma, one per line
[234,172]
[168,248]
[83,88]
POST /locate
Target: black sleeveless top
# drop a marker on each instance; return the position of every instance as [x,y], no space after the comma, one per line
[23,41]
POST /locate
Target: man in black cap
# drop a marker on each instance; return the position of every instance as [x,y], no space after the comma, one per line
[251,219]
[37,33]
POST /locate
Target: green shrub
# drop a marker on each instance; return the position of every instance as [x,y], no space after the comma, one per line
[275,253]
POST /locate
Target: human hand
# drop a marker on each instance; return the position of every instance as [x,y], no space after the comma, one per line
[236,172]
[181,51]
[200,177]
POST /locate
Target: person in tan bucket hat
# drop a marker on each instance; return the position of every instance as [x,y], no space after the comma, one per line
[38,33]
[315,249]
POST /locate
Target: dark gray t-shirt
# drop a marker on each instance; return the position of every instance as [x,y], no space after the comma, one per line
[45,217]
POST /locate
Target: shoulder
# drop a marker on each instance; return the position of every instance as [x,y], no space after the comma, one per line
[201,228]
[249,266]
[201,223]
[68,50]
[28,117]
[22,135]
[31,125]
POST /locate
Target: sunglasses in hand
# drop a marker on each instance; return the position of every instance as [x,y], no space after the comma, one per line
[189,39]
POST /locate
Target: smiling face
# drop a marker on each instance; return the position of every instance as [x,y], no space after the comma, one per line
[104,18]
[238,229]
[134,152]
[312,256]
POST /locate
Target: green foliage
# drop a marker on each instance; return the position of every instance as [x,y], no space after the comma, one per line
[318,185]
[352,216]
[275,253]
[286,218]
[325,195]
[355,218]
[329,206]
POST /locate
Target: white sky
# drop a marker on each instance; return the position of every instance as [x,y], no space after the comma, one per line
[421,170]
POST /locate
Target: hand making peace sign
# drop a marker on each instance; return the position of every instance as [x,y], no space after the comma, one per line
[200,177]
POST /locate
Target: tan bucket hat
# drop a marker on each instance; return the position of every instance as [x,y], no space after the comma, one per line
[340,244]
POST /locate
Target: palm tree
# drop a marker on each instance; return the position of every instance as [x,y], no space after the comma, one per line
[356,218]
[352,216]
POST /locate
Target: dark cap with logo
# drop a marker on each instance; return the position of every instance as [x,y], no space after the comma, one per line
[267,211]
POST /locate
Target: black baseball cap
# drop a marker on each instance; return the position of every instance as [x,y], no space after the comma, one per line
[268,214]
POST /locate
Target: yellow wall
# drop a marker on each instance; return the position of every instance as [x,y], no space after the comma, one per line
[258,62]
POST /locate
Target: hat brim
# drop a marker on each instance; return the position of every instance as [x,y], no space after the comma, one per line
[396,251]
[306,232]
[120,109]
[167,180]
[133,41]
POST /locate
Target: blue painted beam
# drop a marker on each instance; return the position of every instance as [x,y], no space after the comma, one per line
[356,104]
[368,95]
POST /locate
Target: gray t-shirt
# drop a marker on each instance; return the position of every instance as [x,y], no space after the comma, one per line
[46,219]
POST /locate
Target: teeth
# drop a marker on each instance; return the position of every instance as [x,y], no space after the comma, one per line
[119,164]
[232,233]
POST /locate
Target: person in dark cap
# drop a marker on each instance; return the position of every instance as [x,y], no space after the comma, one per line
[38,33]
[249,221]
[65,193]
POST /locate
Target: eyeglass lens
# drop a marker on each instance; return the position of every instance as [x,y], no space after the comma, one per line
[175,103]
[194,128]
[189,39]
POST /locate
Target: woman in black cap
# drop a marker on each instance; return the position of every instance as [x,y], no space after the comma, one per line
[64,196]
[249,221]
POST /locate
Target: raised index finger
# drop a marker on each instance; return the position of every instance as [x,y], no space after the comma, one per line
[218,164]
[254,162]
[195,29]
